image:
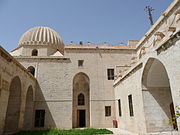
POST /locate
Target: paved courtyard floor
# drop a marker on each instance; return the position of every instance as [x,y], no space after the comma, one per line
[118,131]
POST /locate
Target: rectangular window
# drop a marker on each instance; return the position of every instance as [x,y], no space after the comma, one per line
[39,118]
[110,74]
[107,110]
[130,105]
[119,107]
[80,63]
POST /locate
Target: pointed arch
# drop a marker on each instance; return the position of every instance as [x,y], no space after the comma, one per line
[81,92]
[157,97]
[28,116]
[13,108]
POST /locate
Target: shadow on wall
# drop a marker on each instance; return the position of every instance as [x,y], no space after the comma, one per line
[163,98]
[157,97]
[13,107]
[40,104]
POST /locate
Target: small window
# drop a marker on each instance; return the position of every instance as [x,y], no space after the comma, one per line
[130,105]
[31,69]
[107,110]
[34,52]
[39,118]
[80,63]
[110,73]
[81,100]
[119,107]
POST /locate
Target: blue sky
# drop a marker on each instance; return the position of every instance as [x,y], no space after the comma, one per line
[97,21]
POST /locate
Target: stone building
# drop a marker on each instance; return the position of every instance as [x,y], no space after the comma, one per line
[46,84]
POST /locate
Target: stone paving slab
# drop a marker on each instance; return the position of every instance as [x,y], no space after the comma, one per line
[118,131]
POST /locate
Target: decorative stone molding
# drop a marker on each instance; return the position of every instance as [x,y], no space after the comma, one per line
[142,52]
[159,36]
[177,13]
[171,29]
[168,43]
[133,60]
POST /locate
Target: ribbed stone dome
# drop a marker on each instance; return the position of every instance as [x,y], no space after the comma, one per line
[42,36]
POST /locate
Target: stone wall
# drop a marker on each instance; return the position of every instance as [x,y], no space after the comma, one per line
[55,78]
[131,82]
[10,69]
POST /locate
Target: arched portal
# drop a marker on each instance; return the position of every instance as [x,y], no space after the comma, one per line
[28,116]
[13,108]
[157,97]
[81,116]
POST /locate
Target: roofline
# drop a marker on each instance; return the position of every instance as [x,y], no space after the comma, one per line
[2,50]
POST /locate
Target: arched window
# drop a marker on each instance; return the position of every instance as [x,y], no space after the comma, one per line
[34,52]
[81,100]
[31,69]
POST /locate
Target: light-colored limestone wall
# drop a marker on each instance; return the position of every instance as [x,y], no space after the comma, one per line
[163,46]
[26,50]
[96,63]
[10,68]
[54,91]
[171,61]
[55,78]
[130,85]
[157,109]
[169,57]
[29,110]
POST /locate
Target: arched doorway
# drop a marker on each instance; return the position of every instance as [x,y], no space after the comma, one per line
[81,116]
[157,97]
[28,116]
[13,108]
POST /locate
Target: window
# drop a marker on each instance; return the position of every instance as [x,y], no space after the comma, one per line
[34,52]
[110,73]
[39,118]
[119,107]
[31,69]
[130,105]
[81,100]
[80,63]
[107,110]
